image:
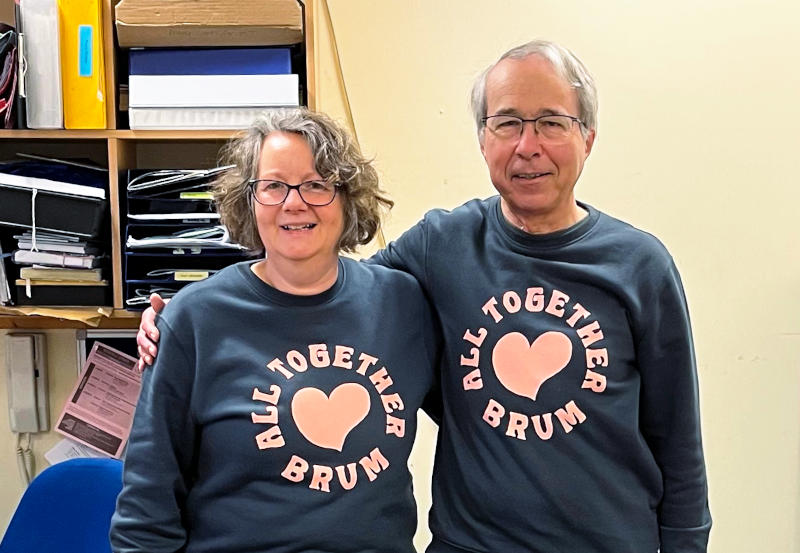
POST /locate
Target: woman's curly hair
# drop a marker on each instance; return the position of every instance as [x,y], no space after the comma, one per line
[336,158]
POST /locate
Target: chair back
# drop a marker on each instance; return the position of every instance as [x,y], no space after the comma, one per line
[66,509]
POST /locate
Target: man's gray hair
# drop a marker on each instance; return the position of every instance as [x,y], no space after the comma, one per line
[566,64]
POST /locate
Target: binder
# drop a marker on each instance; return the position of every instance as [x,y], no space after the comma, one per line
[82,67]
[60,294]
[210,91]
[192,118]
[40,195]
[43,65]
[55,259]
[172,194]
[210,61]
[60,274]
[21,112]
[146,272]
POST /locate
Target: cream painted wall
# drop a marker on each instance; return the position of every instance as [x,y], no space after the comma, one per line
[696,144]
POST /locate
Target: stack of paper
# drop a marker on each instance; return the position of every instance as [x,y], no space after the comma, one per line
[173,235]
[63,217]
[222,88]
[58,269]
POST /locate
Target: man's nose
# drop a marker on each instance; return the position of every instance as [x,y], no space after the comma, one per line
[529,142]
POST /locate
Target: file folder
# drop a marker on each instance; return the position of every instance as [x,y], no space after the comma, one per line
[43,65]
[210,61]
[60,294]
[208,91]
[192,118]
[82,67]
[52,196]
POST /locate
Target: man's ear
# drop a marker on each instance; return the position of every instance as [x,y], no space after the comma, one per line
[589,141]
[480,141]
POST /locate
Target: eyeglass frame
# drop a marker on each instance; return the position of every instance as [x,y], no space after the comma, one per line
[252,183]
[522,121]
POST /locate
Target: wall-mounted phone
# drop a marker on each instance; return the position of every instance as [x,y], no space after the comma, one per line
[26,366]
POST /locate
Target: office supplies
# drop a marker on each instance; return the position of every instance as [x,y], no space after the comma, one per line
[55,259]
[42,64]
[144,118]
[210,61]
[60,273]
[166,181]
[209,91]
[21,114]
[99,411]
[59,293]
[208,22]
[52,196]
[82,67]
[5,290]
[213,237]
[8,75]
[55,242]
[71,162]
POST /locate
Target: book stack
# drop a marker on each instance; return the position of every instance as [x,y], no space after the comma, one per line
[58,259]
[209,64]
[208,88]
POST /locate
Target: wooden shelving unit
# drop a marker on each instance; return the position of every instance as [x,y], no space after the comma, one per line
[120,149]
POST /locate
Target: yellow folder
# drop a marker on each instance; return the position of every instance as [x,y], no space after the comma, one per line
[82,68]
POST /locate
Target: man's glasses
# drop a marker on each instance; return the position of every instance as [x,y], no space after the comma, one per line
[274,192]
[551,128]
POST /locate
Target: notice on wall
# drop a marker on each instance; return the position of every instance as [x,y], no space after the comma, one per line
[99,411]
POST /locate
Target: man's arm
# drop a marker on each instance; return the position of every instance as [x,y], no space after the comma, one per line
[405,254]
[408,254]
[670,417]
[159,458]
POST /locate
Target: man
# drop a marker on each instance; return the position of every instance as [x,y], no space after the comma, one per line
[570,415]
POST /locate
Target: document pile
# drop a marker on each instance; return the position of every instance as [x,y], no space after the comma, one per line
[221,88]
[56,213]
[209,64]
[173,234]
[61,72]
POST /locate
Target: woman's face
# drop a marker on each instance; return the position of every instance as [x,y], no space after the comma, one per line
[294,230]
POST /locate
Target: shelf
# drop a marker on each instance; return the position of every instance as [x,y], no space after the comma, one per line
[119,318]
[58,134]
[68,134]
[199,134]
[119,150]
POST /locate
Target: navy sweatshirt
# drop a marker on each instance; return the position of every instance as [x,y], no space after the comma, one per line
[279,423]
[570,403]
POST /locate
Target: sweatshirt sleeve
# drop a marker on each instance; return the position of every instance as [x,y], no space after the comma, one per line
[670,415]
[158,462]
[408,254]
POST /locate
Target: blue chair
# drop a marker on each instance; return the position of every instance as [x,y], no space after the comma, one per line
[66,509]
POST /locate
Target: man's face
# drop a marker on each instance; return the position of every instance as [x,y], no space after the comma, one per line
[534,177]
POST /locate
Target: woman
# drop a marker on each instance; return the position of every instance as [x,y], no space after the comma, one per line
[283,408]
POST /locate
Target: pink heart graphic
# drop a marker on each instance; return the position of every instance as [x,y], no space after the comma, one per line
[326,421]
[523,368]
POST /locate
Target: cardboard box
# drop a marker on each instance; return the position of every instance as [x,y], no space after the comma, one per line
[208,23]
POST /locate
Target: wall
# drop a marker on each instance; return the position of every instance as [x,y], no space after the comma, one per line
[696,144]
